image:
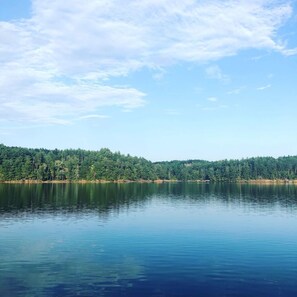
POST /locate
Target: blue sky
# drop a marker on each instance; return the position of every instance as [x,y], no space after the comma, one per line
[160,79]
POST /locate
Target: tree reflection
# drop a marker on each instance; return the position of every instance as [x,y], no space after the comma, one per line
[18,199]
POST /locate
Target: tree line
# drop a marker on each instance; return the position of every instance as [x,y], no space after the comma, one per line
[71,165]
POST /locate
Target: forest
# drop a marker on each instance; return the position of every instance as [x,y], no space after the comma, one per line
[17,164]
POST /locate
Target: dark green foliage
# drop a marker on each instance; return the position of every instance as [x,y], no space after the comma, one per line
[41,164]
[234,170]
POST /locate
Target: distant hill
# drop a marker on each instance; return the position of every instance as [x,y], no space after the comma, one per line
[17,164]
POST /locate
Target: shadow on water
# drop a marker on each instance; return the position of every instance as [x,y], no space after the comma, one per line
[16,199]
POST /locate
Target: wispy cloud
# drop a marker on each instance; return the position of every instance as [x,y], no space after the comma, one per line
[236,91]
[289,52]
[212,99]
[56,66]
[215,72]
[207,108]
[263,88]
[159,74]
[257,58]
[59,103]
[214,108]
[93,116]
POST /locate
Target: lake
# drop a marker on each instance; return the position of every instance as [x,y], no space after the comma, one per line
[174,239]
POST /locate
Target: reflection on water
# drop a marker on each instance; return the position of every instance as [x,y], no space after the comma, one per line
[177,239]
[104,198]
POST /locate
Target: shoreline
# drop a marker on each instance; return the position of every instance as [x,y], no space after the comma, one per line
[159,181]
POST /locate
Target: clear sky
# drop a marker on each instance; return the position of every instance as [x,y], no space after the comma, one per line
[162,79]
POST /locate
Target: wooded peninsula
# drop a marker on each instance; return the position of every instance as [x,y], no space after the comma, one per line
[23,164]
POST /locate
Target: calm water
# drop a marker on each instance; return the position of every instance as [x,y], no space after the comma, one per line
[148,240]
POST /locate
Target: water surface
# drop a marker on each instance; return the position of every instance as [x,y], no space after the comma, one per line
[148,240]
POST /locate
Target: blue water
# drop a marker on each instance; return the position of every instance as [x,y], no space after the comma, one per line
[148,240]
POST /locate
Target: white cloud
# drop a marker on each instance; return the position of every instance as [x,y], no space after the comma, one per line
[263,88]
[55,66]
[93,116]
[257,58]
[159,74]
[208,108]
[214,108]
[289,52]
[236,91]
[33,99]
[212,99]
[215,72]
